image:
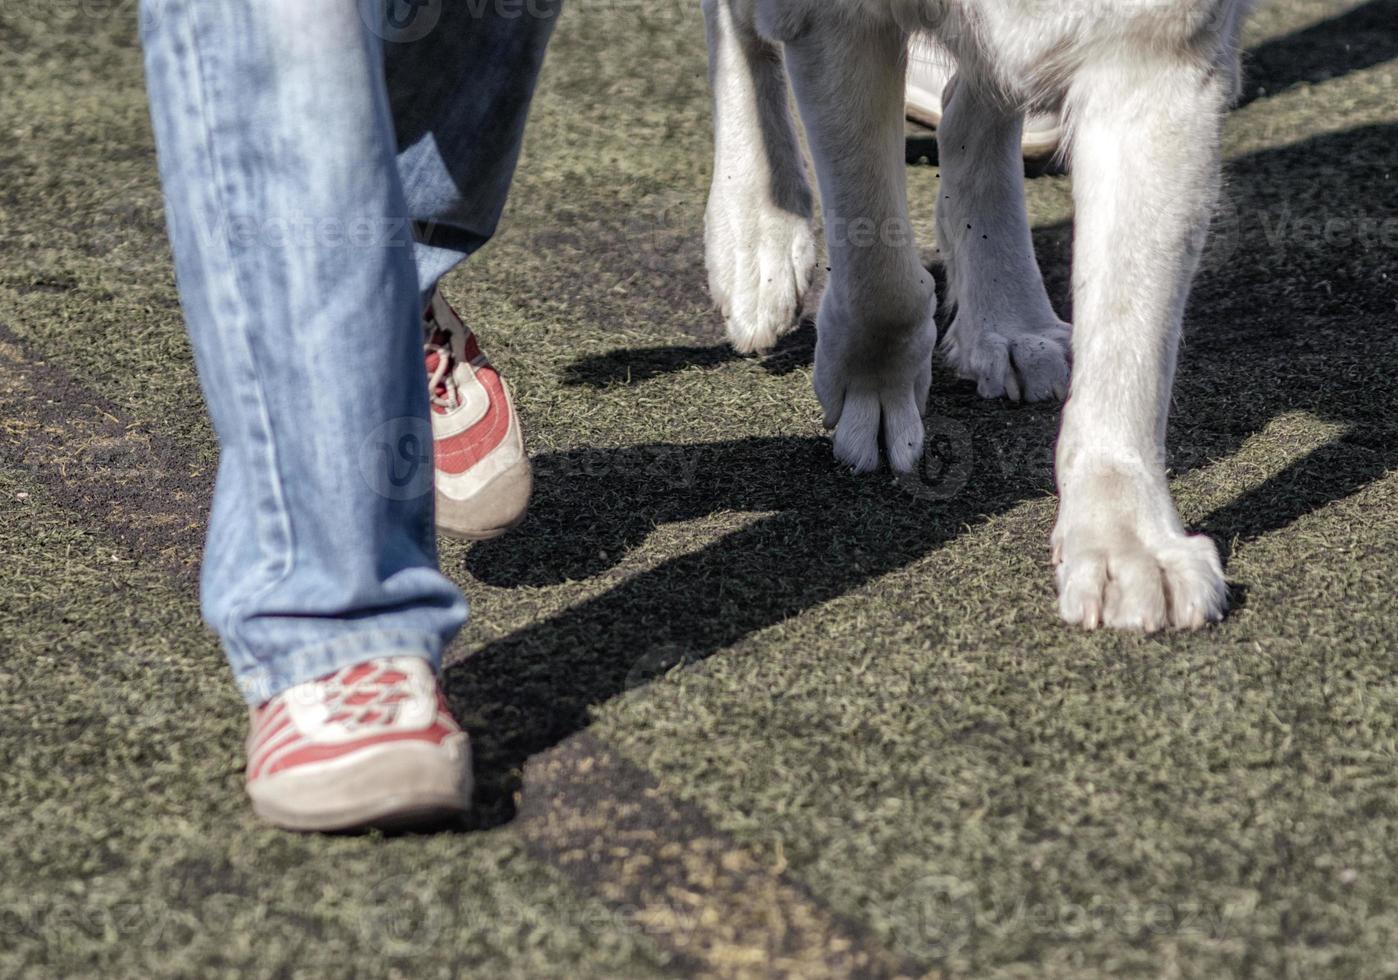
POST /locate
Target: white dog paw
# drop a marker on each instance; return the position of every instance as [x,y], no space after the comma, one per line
[1111,575]
[1021,362]
[873,383]
[761,259]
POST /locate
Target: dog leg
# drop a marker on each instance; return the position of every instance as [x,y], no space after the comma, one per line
[875,329]
[1145,163]
[1005,336]
[758,242]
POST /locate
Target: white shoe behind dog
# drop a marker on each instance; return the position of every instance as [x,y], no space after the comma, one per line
[930,68]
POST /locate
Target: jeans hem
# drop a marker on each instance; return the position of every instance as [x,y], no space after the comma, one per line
[262,682]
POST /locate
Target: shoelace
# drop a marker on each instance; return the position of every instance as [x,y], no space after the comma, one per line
[365,694]
[441,386]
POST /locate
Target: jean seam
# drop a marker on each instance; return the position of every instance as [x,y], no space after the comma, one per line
[282,550]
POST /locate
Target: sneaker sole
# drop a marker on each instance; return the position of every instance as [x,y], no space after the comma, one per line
[920,111]
[507,496]
[926,110]
[391,787]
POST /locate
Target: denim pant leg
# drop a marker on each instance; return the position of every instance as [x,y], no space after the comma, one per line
[297,276]
[460,79]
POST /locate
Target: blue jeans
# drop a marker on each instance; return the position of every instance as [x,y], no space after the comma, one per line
[325,162]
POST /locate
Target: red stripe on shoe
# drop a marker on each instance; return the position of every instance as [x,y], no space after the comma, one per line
[457,453]
[258,764]
[266,732]
[314,752]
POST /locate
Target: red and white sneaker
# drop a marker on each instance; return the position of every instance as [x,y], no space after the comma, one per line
[483,476]
[373,745]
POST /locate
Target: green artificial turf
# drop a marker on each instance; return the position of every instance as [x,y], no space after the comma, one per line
[861,686]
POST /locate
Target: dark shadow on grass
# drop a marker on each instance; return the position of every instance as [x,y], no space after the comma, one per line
[1276,326]
[821,533]
[636,365]
[632,366]
[1355,40]
[1331,473]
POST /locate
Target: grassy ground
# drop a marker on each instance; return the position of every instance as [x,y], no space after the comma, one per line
[736,712]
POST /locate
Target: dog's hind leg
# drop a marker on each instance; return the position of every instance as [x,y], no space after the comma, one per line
[1145,161]
[759,246]
[876,327]
[1005,335]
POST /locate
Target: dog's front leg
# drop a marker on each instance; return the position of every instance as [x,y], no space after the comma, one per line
[876,328]
[758,241]
[1005,336]
[1145,163]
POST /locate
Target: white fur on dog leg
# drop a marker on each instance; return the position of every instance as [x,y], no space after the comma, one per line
[1124,562]
[1082,587]
[758,243]
[1194,583]
[761,260]
[1142,90]
[903,430]
[1135,594]
[857,431]
[1119,581]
